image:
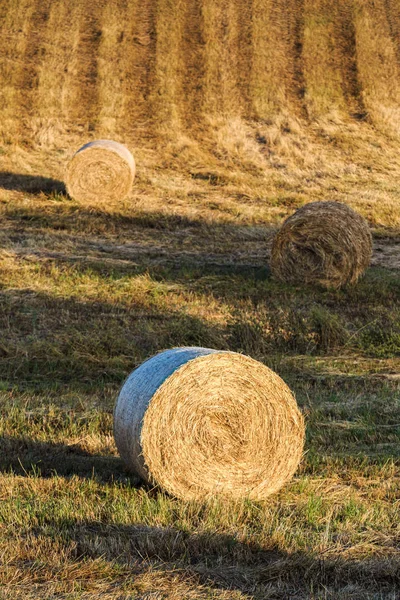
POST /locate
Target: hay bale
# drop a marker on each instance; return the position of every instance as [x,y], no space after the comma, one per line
[200,422]
[325,243]
[101,170]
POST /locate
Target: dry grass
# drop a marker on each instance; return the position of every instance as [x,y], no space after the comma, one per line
[88,293]
[322,243]
[238,113]
[209,424]
[101,171]
[377,64]
[111,69]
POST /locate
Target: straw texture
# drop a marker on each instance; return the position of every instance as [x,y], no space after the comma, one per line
[199,422]
[101,170]
[325,243]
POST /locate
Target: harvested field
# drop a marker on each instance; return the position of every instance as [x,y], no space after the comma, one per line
[88,292]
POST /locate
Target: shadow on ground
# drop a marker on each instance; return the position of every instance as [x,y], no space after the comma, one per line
[64,340]
[222,562]
[88,343]
[24,457]
[32,184]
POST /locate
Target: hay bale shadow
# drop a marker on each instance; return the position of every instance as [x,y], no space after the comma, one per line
[26,457]
[32,184]
[221,561]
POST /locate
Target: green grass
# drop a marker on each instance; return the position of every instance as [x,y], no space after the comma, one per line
[85,296]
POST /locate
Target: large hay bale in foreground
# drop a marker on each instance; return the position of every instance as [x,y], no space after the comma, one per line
[325,243]
[101,170]
[200,422]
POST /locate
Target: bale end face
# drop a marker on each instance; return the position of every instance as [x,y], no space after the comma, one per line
[102,170]
[201,423]
[323,243]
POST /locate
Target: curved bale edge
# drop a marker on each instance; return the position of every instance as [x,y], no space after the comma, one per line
[323,243]
[102,170]
[201,423]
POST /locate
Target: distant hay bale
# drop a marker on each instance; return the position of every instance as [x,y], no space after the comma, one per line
[101,170]
[200,422]
[325,243]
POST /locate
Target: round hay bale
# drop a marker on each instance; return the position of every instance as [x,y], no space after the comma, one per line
[200,422]
[100,170]
[325,243]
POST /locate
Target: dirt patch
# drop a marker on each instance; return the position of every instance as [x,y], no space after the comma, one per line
[386,253]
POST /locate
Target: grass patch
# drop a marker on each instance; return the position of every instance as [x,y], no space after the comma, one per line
[87,294]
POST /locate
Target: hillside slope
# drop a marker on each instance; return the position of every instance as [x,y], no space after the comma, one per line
[238,109]
[136,68]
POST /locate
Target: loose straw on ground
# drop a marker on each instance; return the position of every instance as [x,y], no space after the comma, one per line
[325,243]
[199,422]
[102,170]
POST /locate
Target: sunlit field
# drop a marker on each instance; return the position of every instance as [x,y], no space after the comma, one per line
[237,114]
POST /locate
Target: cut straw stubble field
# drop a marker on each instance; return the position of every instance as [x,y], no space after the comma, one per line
[191,63]
[72,330]
[298,104]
